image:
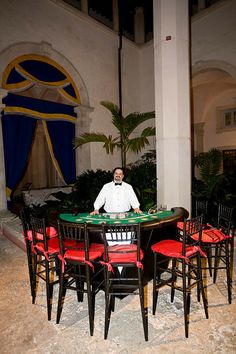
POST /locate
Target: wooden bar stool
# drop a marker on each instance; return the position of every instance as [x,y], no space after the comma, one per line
[184,257]
[122,250]
[44,251]
[79,265]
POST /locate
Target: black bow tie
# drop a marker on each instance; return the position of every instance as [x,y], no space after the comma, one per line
[118,184]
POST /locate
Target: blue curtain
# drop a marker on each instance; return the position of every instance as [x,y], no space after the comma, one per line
[18,132]
[62,135]
[20,116]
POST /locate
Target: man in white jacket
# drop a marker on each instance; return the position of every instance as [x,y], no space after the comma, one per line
[117,196]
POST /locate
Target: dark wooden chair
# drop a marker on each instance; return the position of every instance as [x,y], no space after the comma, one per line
[26,228]
[184,258]
[123,251]
[217,241]
[201,208]
[79,265]
[45,248]
[25,217]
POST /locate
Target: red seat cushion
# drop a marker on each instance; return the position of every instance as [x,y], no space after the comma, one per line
[50,230]
[95,251]
[173,249]
[211,236]
[73,243]
[123,254]
[180,225]
[53,246]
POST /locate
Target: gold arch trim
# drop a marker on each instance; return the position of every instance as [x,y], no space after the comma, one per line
[20,85]
[66,95]
[36,114]
[34,79]
[16,64]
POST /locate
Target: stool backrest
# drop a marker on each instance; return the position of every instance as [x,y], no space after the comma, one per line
[25,219]
[201,208]
[38,226]
[192,227]
[76,233]
[125,234]
[224,219]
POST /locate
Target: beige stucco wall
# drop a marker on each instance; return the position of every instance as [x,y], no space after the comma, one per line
[220,139]
[92,50]
[89,51]
[213,51]
[213,33]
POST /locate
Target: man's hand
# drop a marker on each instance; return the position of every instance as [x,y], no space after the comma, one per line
[95,212]
[138,211]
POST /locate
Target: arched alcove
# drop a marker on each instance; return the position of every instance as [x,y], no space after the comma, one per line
[43,91]
[213,86]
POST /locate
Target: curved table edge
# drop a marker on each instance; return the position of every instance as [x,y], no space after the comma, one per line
[179,214]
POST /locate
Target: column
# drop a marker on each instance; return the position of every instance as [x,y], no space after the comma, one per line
[84,6]
[198,143]
[139,30]
[83,154]
[172,102]
[3,198]
[201,5]
[115,15]
[199,133]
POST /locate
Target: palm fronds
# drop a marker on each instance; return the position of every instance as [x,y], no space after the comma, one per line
[209,163]
[138,143]
[125,126]
[133,120]
[109,142]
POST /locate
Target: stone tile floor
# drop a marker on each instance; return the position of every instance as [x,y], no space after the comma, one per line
[24,328]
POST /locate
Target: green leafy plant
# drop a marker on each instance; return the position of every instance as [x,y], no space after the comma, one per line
[81,199]
[213,185]
[125,127]
[211,178]
[88,185]
[142,176]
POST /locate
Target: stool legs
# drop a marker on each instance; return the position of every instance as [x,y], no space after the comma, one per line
[144,309]
[191,275]
[223,260]
[30,268]
[228,272]
[109,302]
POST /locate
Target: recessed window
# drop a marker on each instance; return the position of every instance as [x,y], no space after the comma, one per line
[226,119]
[229,161]
[229,118]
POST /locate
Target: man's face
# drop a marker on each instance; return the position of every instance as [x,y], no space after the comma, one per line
[118,175]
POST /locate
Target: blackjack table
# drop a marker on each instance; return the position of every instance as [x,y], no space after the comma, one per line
[154,227]
[147,220]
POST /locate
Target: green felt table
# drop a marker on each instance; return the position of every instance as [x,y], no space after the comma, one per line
[155,227]
[116,218]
